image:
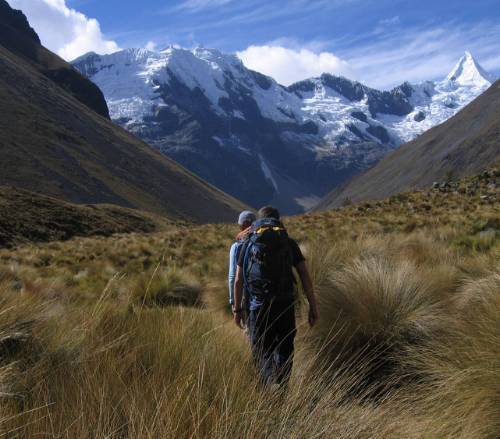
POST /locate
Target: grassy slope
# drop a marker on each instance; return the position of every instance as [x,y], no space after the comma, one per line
[53,144]
[29,217]
[464,145]
[410,283]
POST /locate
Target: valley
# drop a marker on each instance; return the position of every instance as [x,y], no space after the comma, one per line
[123,178]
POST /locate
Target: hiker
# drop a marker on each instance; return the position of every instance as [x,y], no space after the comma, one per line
[245,221]
[265,272]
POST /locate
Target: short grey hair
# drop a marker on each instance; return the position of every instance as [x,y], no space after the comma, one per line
[246,217]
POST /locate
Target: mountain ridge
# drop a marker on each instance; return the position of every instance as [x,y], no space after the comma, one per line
[469,71]
[233,126]
[465,144]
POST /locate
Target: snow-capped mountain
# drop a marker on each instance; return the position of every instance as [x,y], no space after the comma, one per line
[469,72]
[258,140]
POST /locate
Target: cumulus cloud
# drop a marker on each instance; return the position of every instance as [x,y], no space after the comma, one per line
[63,30]
[291,65]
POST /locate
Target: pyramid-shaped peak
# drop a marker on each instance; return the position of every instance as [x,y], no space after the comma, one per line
[469,72]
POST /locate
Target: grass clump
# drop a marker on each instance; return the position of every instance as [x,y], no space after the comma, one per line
[374,304]
[462,367]
[165,287]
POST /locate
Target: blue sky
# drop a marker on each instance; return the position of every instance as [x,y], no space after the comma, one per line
[380,42]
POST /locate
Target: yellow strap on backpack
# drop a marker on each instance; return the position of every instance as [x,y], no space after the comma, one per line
[264,228]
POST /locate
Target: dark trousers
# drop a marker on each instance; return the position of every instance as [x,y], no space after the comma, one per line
[272,332]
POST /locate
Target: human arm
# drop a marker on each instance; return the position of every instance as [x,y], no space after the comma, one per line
[232,273]
[238,295]
[306,281]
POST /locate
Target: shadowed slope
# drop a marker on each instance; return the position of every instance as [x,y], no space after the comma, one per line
[29,217]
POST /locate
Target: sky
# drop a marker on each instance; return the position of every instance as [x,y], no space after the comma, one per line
[378,42]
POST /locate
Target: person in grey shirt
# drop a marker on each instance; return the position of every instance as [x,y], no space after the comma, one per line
[245,221]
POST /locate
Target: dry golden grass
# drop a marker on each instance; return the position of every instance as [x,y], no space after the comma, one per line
[129,336]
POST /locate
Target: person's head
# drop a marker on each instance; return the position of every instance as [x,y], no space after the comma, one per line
[268,212]
[246,219]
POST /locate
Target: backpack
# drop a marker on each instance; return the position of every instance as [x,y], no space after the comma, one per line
[268,261]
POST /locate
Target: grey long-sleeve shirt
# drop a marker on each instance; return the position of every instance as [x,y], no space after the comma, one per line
[233,263]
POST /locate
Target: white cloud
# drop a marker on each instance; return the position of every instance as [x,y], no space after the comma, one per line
[389,21]
[383,58]
[199,5]
[150,45]
[65,31]
[291,65]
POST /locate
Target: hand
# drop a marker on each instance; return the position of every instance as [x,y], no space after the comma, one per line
[313,315]
[237,319]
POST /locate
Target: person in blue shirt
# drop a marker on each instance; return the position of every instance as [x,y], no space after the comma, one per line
[245,222]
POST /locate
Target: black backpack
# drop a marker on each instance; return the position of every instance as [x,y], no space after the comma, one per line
[268,261]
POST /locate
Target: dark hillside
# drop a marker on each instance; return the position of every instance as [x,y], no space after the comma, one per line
[29,217]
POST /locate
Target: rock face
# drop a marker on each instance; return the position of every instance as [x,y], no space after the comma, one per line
[260,141]
[17,36]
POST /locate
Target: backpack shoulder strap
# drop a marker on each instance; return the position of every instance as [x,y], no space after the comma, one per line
[246,248]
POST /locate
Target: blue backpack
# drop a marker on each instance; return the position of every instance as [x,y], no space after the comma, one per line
[268,261]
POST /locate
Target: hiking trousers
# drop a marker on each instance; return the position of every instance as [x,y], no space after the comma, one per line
[272,332]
